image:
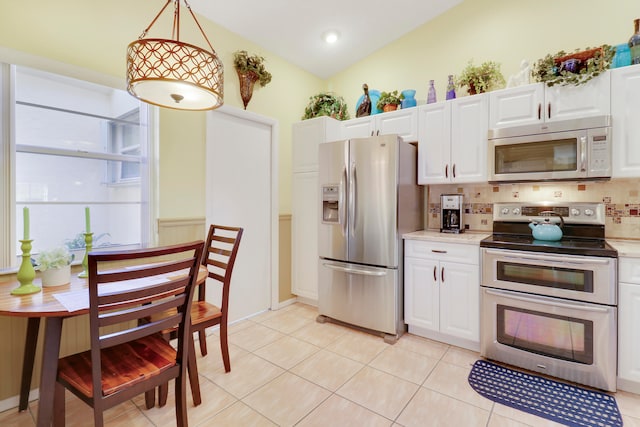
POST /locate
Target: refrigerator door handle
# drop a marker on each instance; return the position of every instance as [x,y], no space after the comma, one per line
[351,270]
[342,211]
[353,194]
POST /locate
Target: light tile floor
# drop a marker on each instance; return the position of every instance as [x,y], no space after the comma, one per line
[288,370]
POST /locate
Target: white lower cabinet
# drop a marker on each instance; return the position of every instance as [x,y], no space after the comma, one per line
[628,324]
[441,291]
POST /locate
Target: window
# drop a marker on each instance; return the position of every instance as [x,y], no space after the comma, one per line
[74,144]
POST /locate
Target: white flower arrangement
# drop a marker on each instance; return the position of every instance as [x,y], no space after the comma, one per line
[54,258]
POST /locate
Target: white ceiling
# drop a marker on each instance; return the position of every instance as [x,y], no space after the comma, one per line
[293,29]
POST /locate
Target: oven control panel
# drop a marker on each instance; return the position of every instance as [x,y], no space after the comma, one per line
[573,213]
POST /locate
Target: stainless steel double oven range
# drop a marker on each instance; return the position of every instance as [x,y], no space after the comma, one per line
[551,306]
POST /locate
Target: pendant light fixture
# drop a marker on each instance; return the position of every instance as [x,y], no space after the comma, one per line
[173,74]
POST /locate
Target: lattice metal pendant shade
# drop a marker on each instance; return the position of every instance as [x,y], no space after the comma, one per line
[173,74]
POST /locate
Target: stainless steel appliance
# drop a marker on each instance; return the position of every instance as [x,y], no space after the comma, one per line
[369,199]
[563,150]
[451,213]
[551,306]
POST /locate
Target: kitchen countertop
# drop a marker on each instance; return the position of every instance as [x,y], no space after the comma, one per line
[470,237]
[626,248]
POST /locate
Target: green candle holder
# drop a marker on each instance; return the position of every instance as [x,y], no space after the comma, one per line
[88,240]
[26,273]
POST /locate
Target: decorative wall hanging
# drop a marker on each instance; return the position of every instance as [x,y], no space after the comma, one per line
[250,69]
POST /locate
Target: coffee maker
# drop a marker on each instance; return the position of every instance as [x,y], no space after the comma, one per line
[451,213]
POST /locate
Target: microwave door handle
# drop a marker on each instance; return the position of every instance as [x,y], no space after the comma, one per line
[583,154]
[547,301]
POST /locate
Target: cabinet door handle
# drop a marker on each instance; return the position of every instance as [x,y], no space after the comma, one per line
[378,132]
[539,110]
[442,275]
[446,171]
[549,110]
[371,133]
[435,273]
[454,170]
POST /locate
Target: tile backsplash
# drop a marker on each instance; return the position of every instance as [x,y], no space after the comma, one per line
[621,199]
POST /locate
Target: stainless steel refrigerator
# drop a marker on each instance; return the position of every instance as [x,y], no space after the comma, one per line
[369,198]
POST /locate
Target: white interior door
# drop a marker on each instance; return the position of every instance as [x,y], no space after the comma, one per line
[241,191]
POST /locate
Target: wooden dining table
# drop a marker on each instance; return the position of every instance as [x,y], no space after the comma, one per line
[46,305]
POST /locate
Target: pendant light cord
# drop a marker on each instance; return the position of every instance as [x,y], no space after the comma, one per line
[176,22]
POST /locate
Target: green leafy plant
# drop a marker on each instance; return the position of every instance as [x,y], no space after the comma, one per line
[588,63]
[389,98]
[244,63]
[54,258]
[79,243]
[326,104]
[482,78]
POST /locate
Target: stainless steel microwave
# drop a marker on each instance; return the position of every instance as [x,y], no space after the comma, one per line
[564,150]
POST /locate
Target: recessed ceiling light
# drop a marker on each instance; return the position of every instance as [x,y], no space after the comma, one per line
[331,36]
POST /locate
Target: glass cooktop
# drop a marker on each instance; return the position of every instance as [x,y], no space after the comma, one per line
[567,245]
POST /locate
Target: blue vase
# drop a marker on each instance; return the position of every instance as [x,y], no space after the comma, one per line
[622,57]
[409,98]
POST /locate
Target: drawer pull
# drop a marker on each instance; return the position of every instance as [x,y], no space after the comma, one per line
[438,251]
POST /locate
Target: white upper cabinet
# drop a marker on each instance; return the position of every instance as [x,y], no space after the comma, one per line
[516,106]
[452,144]
[536,103]
[625,112]
[306,136]
[361,127]
[401,122]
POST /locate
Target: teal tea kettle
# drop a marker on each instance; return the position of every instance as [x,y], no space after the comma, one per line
[545,230]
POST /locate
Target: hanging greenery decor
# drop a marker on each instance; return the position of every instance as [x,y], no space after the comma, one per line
[326,104]
[573,69]
[245,63]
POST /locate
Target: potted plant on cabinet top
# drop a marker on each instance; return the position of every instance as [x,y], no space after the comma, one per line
[389,101]
[481,78]
[55,266]
[326,104]
[575,69]
[250,69]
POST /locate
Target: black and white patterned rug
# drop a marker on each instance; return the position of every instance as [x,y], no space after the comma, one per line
[562,403]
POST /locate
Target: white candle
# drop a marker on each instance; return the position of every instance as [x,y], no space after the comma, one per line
[25,217]
[87,220]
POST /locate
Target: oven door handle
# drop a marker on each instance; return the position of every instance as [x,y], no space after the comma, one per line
[546,258]
[546,301]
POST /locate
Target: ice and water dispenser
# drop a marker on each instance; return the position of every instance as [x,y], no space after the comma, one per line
[330,203]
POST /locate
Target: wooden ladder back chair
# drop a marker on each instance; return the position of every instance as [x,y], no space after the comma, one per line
[219,257]
[129,355]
